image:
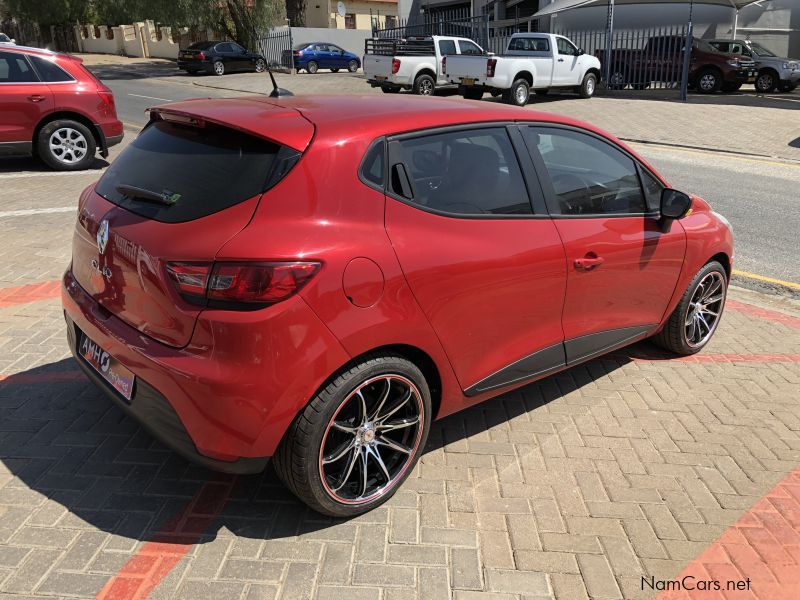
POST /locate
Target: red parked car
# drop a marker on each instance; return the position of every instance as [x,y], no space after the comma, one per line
[317,279]
[52,107]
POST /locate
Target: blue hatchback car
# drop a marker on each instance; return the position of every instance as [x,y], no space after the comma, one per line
[313,56]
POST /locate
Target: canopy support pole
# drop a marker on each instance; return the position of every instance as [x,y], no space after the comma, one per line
[609,34]
[735,23]
[687,56]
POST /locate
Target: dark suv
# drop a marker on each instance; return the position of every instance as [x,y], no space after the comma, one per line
[219,58]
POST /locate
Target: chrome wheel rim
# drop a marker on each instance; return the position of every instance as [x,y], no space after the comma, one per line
[707,81]
[764,82]
[353,66]
[371,440]
[522,95]
[617,78]
[426,87]
[260,66]
[219,68]
[705,309]
[312,67]
[590,86]
[68,145]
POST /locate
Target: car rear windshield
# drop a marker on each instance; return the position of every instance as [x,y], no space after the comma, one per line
[196,171]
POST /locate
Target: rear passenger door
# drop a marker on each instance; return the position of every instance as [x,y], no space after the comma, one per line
[24,101]
[483,259]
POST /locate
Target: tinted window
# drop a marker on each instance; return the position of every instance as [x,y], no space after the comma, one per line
[565,47]
[373,165]
[236,48]
[49,71]
[471,172]
[224,48]
[204,170]
[201,46]
[530,44]
[468,47]
[333,48]
[447,47]
[15,69]
[4,38]
[589,176]
[322,48]
[652,190]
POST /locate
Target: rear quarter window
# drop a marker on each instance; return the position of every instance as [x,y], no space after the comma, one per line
[50,71]
[203,170]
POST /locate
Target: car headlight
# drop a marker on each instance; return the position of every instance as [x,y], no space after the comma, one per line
[724,220]
[733,62]
[791,65]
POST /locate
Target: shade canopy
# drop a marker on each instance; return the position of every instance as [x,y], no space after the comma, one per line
[562,5]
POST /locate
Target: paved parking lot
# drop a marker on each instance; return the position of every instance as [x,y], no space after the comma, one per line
[605,481]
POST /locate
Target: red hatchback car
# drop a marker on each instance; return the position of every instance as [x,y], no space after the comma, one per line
[51,106]
[317,279]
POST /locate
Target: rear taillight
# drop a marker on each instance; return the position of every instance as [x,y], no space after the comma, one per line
[107,96]
[298,53]
[240,286]
[444,65]
[395,65]
[201,55]
[491,64]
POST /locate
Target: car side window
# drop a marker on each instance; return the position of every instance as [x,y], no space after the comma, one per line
[565,47]
[447,47]
[471,172]
[224,48]
[236,48]
[373,165]
[332,48]
[49,71]
[322,48]
[14,68]
[467,47]
[590,177]
[530,44]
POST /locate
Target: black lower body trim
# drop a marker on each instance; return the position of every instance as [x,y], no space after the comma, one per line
[16,148]
[538,364]
[588,346]
[156,415]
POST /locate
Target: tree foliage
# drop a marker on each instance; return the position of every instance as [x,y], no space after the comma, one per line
[241,20]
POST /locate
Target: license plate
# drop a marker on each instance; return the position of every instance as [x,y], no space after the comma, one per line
[109,368]
[468,81]
[751,79]
[380,77]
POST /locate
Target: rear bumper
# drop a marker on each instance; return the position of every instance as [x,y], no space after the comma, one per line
[192,64]
[226,399]
[385,83]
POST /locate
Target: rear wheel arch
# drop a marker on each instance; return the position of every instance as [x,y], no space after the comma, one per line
[73,116]
[425,71]
[526,75]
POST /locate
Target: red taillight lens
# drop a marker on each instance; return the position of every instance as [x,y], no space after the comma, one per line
[201,56]
[191,279]
[298,53]
[107,96]
[395,65]
[444,65]
[491,64]
[242,286]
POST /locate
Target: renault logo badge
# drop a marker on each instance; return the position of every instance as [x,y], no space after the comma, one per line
[102,236]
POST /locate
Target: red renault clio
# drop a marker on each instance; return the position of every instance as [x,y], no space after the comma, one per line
[314,280]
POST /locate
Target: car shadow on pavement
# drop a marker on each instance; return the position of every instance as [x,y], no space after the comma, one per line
[63,439]
[137,70]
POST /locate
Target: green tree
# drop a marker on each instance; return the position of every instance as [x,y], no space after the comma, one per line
[51,12]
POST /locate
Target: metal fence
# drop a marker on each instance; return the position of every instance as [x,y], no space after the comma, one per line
[639,59]
[276,48]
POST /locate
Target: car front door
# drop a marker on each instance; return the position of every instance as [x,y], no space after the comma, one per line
[337,57]
[324,57]
[485,264]
[566,70]
[240,58]
[446,48]
[24,100]
[622,263]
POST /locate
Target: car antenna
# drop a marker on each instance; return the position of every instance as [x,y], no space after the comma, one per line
[276,91]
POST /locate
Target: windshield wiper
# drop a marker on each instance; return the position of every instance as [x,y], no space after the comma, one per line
[136,193]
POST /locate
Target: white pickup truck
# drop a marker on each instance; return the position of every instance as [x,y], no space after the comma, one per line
[532,61]
[413,63]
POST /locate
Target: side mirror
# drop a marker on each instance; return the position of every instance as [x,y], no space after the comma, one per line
[581,52]
[674,204]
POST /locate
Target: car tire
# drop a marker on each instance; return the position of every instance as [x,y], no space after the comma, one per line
[260,66]
[709,81]
[518,94]
[766,81]
[218,68]
[472,94]
[542,92]
[325,450]
[729,88]
[618,78]
[684,332]
[588,86]
[424,85]
[312,67]
[352,66]
[390,90]
[334,70]
[66,145]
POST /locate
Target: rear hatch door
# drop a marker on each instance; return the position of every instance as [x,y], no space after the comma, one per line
[177,194]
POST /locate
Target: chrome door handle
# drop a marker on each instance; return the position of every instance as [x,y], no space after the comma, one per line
[560,60]
[35,97]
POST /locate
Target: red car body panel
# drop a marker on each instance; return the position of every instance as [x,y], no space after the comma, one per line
[468,296]
[25,106]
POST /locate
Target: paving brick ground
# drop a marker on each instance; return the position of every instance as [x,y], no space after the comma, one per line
[580,485]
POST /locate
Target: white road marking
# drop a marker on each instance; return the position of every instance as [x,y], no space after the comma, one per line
[37,211]
[151,97]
